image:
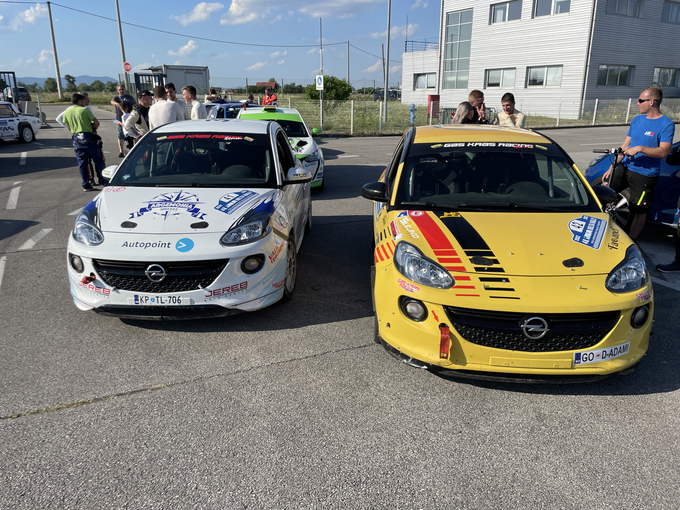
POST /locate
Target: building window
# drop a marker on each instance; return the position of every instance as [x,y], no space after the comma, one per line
[548,76]
[506,11]
[624,8]
[664,77]
[671,12]
[615,76]
[457,53]
[548,7]
[500,78]
[425,81]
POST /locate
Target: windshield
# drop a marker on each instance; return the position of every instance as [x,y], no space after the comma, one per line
[206,159]
[293,128]
[491,176]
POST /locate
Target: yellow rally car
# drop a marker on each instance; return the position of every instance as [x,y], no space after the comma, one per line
[494,259]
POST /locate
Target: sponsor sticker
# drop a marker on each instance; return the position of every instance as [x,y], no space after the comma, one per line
[275,253]
[93,288]
[597,355]
[184,245]
[113,189]
[145,246]
[644,296]
[278,285]
[588,231]
[408,287]
[225,291]
[232,201]
[172,204]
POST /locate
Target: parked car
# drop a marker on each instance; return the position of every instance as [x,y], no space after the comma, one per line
[494,259]
[23,94]
[664,207]
[299,136]
[201,219]
[228,110]
[16,125]
[379,95]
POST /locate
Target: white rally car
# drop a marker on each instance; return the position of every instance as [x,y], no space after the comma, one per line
[299,135]
[16,125]
[201,219]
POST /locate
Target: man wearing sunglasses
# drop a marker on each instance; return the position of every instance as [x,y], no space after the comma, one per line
[648,142]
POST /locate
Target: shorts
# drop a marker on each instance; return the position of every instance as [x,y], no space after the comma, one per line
[641,188]
[119,129]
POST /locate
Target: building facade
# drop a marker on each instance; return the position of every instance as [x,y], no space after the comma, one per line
[555,56]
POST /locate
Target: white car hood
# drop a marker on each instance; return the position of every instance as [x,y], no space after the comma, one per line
[176,210]
[306,149]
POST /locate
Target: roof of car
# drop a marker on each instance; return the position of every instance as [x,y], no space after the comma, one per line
[476,133]
[215,125]
[271,112]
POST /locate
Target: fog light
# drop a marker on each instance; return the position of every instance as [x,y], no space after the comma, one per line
[640,316]
[252,264]
[413,309]
[76,263]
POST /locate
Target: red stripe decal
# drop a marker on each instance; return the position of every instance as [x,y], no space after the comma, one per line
[445,253]
[467,295]
[460,269]
[390,248]
[385,251]
[462,278]
[377,250]
[449,260]
[433,234]
[376,258]
[465,287]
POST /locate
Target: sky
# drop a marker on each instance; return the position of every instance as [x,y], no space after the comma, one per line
[236,39]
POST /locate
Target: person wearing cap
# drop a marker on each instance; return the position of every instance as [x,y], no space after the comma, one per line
[123,103]
[197,109]
[163,111]
[137,123]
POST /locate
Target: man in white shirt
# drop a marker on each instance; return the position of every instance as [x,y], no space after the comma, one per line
[197,109]
[510,116]
[171,92]
[164,111]
[60,117]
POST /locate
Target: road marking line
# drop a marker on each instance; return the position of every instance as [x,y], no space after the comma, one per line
[74,212]
[3,260]
[664,283]
[349,156]
[14,196]
[22,159]
[33,240]
[601,143]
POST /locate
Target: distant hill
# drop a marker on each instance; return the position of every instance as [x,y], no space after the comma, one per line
[79,79]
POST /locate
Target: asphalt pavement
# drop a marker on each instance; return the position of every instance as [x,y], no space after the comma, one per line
[294,406]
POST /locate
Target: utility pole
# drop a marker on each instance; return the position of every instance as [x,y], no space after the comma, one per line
[122,47]
[348,83]
[321,72]
[54,50]
[387,60]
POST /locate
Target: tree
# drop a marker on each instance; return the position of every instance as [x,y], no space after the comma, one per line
[334,89]
[83,87]
[97,85]
[50,85]
[111,86]
[70,83]
[291,88]
[33,87]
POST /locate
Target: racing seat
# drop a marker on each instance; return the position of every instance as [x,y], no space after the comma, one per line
[427,179]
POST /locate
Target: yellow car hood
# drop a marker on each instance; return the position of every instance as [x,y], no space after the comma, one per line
[507,244]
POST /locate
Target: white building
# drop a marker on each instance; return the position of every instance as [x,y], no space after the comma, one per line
[551,54]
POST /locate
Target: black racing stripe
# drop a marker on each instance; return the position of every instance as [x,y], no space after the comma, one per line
[503,297]
[464,233]
[486,269]
[479,253]
[499,288]
[494,280]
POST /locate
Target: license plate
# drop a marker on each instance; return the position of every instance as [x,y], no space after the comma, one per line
[150,300]
[597,355]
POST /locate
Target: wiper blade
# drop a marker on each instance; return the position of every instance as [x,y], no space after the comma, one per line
[507,205]
[440,207]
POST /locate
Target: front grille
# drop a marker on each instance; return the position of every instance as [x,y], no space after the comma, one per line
[181,276]
[502,330]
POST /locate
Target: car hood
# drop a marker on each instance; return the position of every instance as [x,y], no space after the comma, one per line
[302,145]
[517,244]
[140,210]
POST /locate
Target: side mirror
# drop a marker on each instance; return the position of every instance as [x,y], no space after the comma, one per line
[605,194]
[297,175]
[109,171]
[375,191]
[316,131]
[673,159]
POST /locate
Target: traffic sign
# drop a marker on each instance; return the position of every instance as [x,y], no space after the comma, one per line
[319,82]
[127,67]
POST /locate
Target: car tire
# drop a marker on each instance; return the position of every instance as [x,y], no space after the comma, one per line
[291,270]
[26,134]
[376,330]
[308,225]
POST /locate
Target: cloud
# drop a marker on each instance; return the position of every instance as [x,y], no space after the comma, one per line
[185,50]
[29,16]
[278,54]
[374,68]
[45,56]
[397,31]
[394,69]
[281,61]
[256,66]
[419,3]
[64,63]
[243,11]
[251,11]
[201,12]
[143,66]
[177,62]
[1,17]
[314,50]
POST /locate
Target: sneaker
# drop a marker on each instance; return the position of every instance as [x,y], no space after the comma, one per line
[673,267]
[88,187]
[121,155]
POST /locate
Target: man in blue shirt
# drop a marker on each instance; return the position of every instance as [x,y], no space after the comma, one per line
[649,140]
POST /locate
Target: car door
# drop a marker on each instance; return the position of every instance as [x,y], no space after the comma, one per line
[9,122]
[297,195]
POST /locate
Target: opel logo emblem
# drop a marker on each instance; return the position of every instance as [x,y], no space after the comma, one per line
[534,328]
[155,273]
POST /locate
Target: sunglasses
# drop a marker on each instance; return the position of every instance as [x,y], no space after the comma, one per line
[644,100]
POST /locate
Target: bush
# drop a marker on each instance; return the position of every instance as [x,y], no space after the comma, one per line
[334,89]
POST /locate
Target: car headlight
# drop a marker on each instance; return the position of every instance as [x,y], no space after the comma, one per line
[596,160]
[629,275]
[313,157]
[86,233]
[410,262]
[248,232]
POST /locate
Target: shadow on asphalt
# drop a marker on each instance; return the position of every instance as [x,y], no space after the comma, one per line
[8,228]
